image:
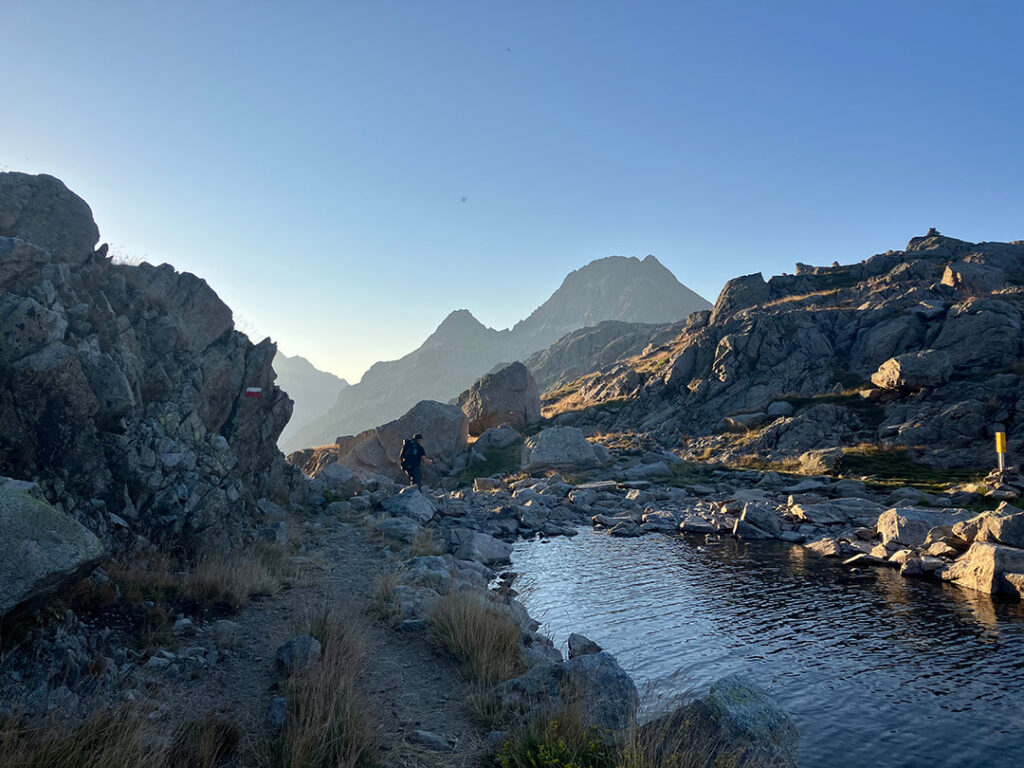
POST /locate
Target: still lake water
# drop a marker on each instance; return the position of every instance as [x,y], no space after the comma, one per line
[876,669]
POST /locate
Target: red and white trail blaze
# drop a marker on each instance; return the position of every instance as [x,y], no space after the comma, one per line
[254,391]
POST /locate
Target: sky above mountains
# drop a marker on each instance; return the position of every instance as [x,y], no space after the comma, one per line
[346,174]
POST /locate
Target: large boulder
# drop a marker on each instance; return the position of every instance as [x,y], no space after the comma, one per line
[445,431]
[41,549]
[409,502]
[736,723]
[985,567]
[338,478]
[479,547]
[914,370]
[909,526]
[562,448]
[43,211]
[606,695]
[508,396]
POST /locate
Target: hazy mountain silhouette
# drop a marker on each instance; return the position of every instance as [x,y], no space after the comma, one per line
[313,391]
[462,349]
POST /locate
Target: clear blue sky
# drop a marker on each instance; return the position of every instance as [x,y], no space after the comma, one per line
[346,173]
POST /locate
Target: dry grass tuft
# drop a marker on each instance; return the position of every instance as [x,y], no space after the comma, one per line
[425,543]
[204,743]
[479,634]
[383,601]
[327,723]
[233,580]
[109,740]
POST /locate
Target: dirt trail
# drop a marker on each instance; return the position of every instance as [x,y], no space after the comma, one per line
[409,685]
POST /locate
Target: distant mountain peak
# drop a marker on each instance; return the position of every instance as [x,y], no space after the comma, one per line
[459,327]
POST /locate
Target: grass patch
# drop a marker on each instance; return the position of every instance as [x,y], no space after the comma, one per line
[425,543]
[893,468]
[327,721]
[481,636]
[108,740]
[140,597]
[498,461]
[260,571]
[562,739]
[204,743]
[383,603]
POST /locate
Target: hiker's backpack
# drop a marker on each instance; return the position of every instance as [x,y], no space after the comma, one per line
[405,461]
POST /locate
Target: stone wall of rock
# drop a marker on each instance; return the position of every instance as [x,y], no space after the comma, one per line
[122,388]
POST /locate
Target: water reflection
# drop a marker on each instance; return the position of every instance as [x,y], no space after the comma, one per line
[872,665]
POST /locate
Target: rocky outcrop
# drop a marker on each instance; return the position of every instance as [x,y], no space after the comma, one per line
[462,349]
[509,396]
[596,348]
[41,549]
[880,352]
[122,388]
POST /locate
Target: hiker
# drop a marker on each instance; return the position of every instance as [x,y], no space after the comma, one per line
[411,459]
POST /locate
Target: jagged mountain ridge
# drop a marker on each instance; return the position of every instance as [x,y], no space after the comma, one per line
[313,391]
[462,349]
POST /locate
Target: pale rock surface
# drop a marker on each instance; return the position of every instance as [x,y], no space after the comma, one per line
[914,370]
[509,396]
[562,448]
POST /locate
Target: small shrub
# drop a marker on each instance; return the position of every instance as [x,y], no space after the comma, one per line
[479,635]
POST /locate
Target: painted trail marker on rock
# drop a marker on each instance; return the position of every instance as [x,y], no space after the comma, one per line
[254,391]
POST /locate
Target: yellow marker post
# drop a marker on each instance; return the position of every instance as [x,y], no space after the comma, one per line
[1001,449]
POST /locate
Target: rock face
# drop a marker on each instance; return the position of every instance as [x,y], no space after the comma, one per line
[122,388]
[562,448]
[462,349]
[594,348]
[41,549]
[445,431]
[508,396]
